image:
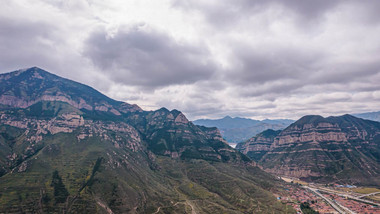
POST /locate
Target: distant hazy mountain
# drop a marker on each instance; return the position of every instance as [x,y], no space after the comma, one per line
[237,129]
[375,116]
[344,149]
[67,148]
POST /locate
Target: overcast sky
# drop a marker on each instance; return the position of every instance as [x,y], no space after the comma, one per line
[208,59]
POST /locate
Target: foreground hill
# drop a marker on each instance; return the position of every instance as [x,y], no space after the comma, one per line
[237,129]
[344,148]
[66,148]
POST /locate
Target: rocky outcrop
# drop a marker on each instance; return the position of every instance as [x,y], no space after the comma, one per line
[70,122]
[323,132]
[212,133]
[181,119]
[259,145]
[293,172]
[170,133]
[64,123]
[126,108]
[36,130]
[80,103]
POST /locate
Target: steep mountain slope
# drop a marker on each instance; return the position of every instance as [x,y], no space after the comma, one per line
[26,87]
[170,133]
[237,129]
[342,148]
[58,156]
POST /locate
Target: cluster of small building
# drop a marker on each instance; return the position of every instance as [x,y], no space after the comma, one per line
[345,186]
[353,205]
[297,195]
[294,196]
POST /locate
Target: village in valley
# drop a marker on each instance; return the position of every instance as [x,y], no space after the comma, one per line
[332,198]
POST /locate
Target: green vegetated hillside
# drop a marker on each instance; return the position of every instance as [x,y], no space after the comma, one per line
[342,149]
[111,157]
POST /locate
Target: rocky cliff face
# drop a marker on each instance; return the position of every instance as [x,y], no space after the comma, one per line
[212,133]
[316,148]
[259,145]
[36,130]
[170,133]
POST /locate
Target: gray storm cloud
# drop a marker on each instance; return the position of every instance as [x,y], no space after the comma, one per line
[228,12]
[24,43]
[148,58]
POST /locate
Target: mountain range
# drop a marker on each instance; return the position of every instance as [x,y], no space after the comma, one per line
[343,149]
[238,129]
[67,148]
[375,116]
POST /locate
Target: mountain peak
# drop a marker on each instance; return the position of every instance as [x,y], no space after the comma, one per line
[25,87]
[27,75]
[312,119]
[38,72]
[348,116]
[32,70]
[269,133]
[163,109]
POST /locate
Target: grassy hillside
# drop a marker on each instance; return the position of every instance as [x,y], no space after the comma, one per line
[91,176]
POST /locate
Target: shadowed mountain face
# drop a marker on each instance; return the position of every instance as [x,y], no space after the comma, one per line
[342,148]
[64,147]
[237,129]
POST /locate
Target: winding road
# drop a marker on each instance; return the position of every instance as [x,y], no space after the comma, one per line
[359,198]
[369,194]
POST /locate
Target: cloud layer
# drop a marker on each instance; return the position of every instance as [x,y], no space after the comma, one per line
[147,58]
[258,59]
